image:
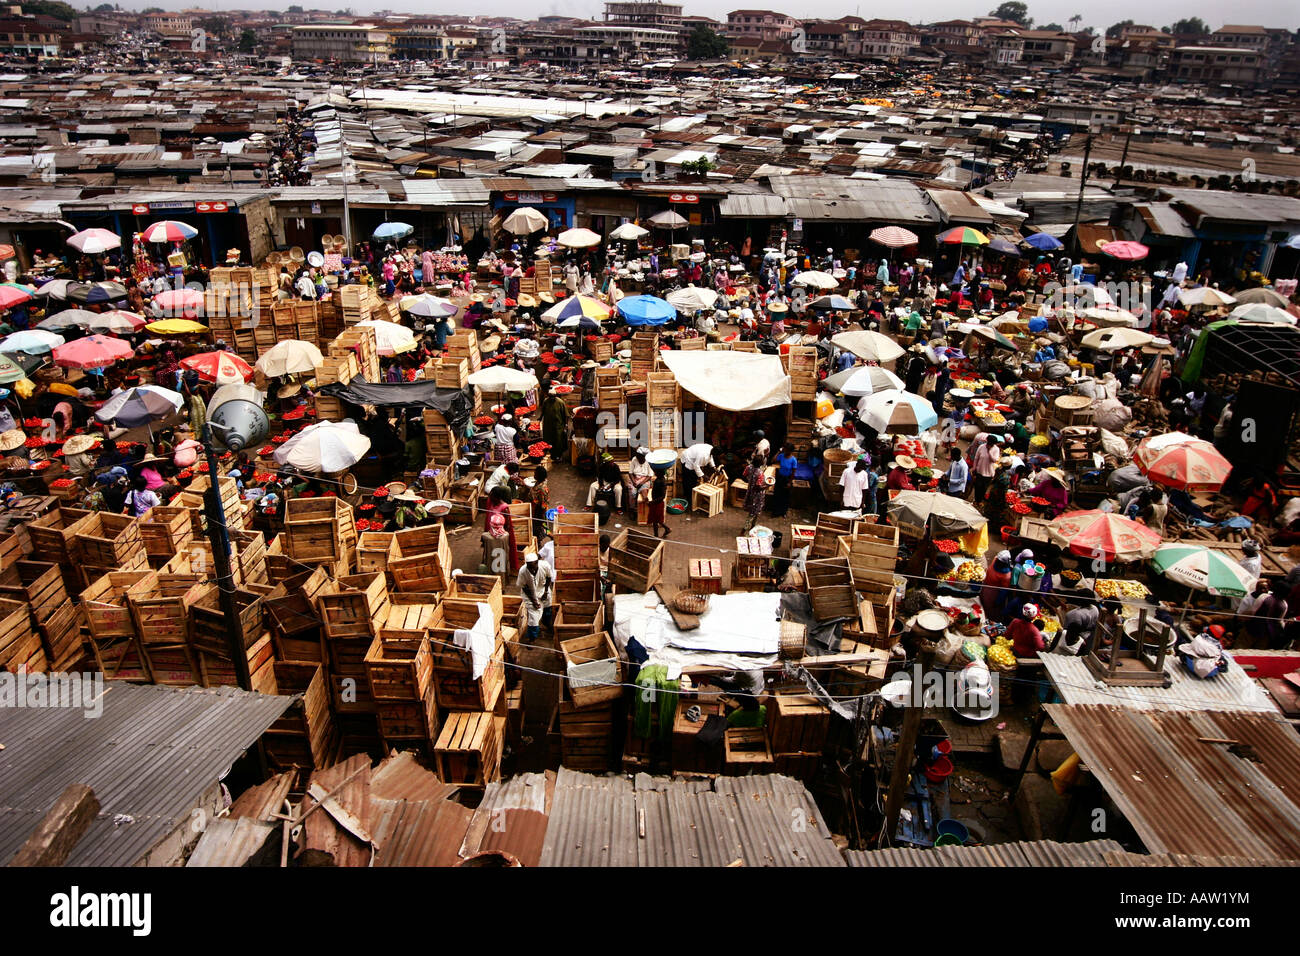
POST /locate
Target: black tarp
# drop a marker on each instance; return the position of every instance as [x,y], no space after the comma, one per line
[455,404]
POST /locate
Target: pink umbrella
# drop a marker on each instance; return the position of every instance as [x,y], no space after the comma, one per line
[223,368]
[94,351]
[12,295]
[1123,249]
[177,303]
[895,237]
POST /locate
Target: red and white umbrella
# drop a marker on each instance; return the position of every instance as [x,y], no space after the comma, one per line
[1103,534]
[1182,461]
[178,303]
[223,368]
[93,351]
[895,237]
[168,230]
[94,242]
[116,320]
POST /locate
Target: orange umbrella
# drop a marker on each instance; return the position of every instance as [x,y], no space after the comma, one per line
[1182,461]
[1104,534]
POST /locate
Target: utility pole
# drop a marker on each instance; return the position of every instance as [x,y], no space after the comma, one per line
[1083,183]
[1123,157]
[905,755]
[220,541]
[347,210]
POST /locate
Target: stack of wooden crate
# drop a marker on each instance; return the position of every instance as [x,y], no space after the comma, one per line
[165,530]
[210,642]
[753,568]
[577,552]
[587,710]
[359,341]
[399,666]
[350,613]
[800,422]
[830,589]
[305,737]
[355,301]
[423,561]
[20,642]
[294,619]
[797,725]
[39,585]
[645,354]
[441,444]
[160,604]
[320,531]
[231,503]
[872,553]
[464,345]
[108,542]
[802,366]
[112,643]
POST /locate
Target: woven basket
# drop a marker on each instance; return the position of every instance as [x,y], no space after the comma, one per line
[690,602]
[793,637]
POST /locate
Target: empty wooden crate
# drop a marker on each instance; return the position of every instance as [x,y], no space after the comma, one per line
[593,669]
[468,749]
[637,563]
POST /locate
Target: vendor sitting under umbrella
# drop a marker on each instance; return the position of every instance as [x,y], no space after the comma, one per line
[1053,488]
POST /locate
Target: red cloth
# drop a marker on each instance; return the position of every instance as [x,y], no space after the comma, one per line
[994,580]
[1026,640]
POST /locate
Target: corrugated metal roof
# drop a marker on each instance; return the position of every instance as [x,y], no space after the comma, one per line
[1231,690]
[230,842]
[753,206]
[1163,220]
[1040,853]
[843,197]
[150,755]
[445,192]
[400,777]
[1238,207]
[766,820]
[418,832]
[1184,794]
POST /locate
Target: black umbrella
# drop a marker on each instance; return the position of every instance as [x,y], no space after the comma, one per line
[97,292]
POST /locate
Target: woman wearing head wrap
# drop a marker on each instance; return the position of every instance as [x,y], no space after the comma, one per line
[996,580]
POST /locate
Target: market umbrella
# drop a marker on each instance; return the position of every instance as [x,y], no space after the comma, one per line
[289,357]
[7,251]
[10,371]
[668,220]
[947,515]
[645,310]
[692,298]
[35,341]
[1112,340]
[863,380]
[1107,316]
[991,335]
[1043,242]
[816,280]
[503,378]
[67,319]
[1260,312]
[1203,569]
[962,236]
[577,306]
[324,447]
[94,293]
[93,351]
[1184,461]
[1104,534]
[1205,295]
[896,412]
[894,237]
[185,303]
[525,220]
[139,406]
[56,288]
[1266,296]
[872,346]
[1125,250]
[835,303]
[390,338]
[168,230]
[428,306]
[579,322]
[94,242]
[578,239]
[115,320]
[1004,247]
[629,231]
[13,294]
[221,368]
[1087,295]
[176,327]
[393,230]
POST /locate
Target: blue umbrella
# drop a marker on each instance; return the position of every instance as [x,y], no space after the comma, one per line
[646,310]
[1043,242]
[393,230]
[1006,248]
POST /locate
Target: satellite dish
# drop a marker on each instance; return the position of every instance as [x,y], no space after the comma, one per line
[237,417]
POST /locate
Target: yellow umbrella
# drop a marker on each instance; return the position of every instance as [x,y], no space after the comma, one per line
[175,326]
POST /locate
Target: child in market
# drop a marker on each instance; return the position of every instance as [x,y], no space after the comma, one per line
[658,502]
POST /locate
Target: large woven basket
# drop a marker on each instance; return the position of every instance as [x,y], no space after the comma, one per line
[691,602]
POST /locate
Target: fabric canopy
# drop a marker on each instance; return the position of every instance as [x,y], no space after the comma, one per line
[734,381]
[455,405]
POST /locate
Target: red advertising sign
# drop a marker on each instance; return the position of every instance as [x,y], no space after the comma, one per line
[683,197]
[140,209]
[211,206]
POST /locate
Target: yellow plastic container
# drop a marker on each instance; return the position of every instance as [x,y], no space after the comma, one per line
[824,407]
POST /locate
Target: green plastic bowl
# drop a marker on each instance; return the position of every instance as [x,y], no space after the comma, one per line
[677,506]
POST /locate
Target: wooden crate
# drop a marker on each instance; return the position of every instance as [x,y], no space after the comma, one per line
[637,563]
[399,668]
[231,502]
[704,575]
[468,749]
[707,499]
[586,652]
[105,604]
[295,627]
[872,553]
[318,529]
[172,665]
[408,617]
[39,583]
[61,636]
[403,723]
[53,535]
[452,373]
[833,601]
[425,561]
[586,735]
[374,550]
[577,551]
[304,735]
[826,543]
[745,751]
[576,586]
[209,627]
[218,670]
[661,390]
[485,588]
[107,540]
[353,609]
[453,673]
[577,619]
[797,723]
[162,609]
[20,642]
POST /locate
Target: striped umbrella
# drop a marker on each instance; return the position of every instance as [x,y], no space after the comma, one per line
[57,288]
[13,293]
[428,306]
[832,302]
[94,242]
[1125,250]
[97,292]
[67,319]
[223,368]
[577,306]
[1178,460]
[895,412]
[94,351]
[390,338]
[115,320]
[894,237]
[168,230]
[963,236]
[1103,534]
[1198,567]
[139,406]
[863,380]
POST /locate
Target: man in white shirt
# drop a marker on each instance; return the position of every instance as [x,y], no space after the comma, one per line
[854,481]
[958,474]
[694,460]
[639,475]
[501,475]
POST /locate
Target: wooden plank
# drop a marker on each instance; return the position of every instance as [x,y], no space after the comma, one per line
[60,829]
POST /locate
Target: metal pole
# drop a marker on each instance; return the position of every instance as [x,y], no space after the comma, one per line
[347,213]
[905,755]
[220,541]
[1083,182]
[1123,156]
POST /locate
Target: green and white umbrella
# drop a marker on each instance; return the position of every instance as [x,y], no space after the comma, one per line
[1203,569]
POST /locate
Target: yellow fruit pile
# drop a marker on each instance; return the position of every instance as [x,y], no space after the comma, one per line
[992,417]
[1109,588]
[1000,655]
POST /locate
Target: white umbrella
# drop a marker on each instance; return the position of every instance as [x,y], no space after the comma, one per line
[816,280]
[94,242]
[428,306]
[524,220]
[1108,317]
[692,298]
[326,447]
[629,231]
[864,380]
[895,412]
[57,288]
[578,239]
[36,341]
[1260,312]
[289,357]
[502,378]
[390,338]
[1205,295]
[872,346]
[1266,296]
[668,220]
[1112,340]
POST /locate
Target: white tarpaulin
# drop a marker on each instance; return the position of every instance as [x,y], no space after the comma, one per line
[739,631]
[734,381]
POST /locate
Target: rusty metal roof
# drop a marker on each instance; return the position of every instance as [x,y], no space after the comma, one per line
[767,820]
[418,832]
[1039,853]
[1184,793]
[1231,690]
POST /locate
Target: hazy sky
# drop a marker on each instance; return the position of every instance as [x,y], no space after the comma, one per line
[1098,13]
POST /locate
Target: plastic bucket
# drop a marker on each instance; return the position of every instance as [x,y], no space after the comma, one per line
[939,770]
[946,840]
[954,829]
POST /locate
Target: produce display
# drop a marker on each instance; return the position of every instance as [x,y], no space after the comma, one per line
[1111,588]
[1000,656]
